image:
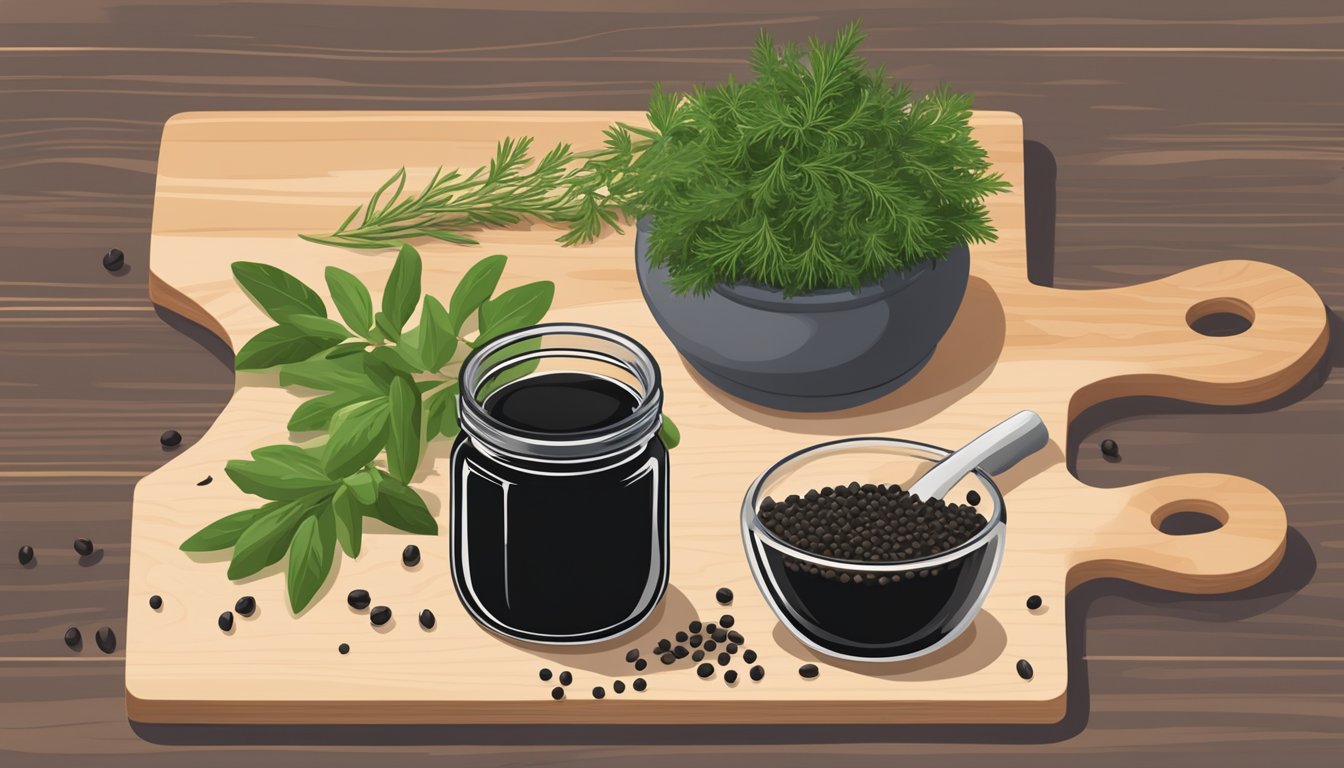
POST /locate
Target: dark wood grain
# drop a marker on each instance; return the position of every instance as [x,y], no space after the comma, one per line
[1174,135]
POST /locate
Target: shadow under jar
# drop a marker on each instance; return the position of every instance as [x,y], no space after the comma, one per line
[871,611]
[559,498]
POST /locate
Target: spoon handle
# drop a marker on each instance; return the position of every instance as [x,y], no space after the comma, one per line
[996,451]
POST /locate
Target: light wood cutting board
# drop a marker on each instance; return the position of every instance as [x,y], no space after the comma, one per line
[241,185]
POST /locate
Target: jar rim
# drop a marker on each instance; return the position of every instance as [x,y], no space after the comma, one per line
[633,429]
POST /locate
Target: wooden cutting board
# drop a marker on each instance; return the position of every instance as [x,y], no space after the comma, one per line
[241,185]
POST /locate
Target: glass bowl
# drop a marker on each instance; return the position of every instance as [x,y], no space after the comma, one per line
[872,611]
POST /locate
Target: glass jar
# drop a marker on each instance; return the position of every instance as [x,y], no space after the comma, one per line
[559,495]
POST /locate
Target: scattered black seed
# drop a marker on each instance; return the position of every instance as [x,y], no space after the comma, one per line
[25,555]
[663,646]
[724,658]
[410,556]
[114,260]
[639,684]
[695,626]
[973,498]
[208,480]
[870,523]
[544,674]
[245,605]
[668,658]
[724,595]
[73,638]
[380,615]
[680,652]
[557,693]
[699,655]
[105,639]
[1034,602]
[730,676]
[809,671]
[682,637]
[427,619]
[1109,448]
[598,693]
[170,438]
[732,648]
[726,620]
[358,599]
[618,686]
[749,656]
[710,628]
[720,636]
[757,672]
[226,621]
[566,677]
[695,641]
[1024,669]
[155,602]
[710,645]
[343,648]
[736,637]
[632,655]
[641,665]
[84,547]
[705,670]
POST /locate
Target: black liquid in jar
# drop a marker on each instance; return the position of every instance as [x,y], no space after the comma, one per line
[560,550]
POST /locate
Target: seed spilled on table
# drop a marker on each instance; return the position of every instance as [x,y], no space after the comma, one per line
[730,676]
[343,648]
[641,665]
[358,599]
[427,619]
[226,621]
[749,656]
[170,439]
[208,480]
[705,670]
[618,686]
[809,671]
[410,556]
[1024,669]
[114,260]
[380,615]
[724,595]
[544,674]
[632,655]
[557,693]
[566,677]
[245,606]
[598,693]
[73,638]
[105,639]
[640,684]
[1033,602]
[757,672]
[84,547]
[155,602]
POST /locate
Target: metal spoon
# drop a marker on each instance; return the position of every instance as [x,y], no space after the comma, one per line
[996,451]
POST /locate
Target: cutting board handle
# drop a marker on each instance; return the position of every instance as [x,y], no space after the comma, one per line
[1144,339]
[1128,543]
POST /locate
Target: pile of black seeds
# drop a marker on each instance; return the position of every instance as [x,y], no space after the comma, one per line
[869,523]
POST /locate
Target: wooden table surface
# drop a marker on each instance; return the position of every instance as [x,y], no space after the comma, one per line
[1160,137]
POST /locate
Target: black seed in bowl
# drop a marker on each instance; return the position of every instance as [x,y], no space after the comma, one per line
[427,619]
[358,599]
[726,620]
[380,615]
[809,671]
[208,480]
[668,658]
[663,646]
[695,626]
[343,648]
[598,693]
[699,655]
[544,674]
[1024,669]
[757,672]
[225,621]
[170,438]
[973,498]
[155,602]
[105,639]
[724,595]
[25,555]
[720,636]
[711,628]
[682,637]
[749,656]
[695,641]
[705,670]
[245,605]
[1109,448]
[732,648]
[730,676]
[618,686]
[1033,602]
[114,260]
[710,645]
[410,556]
[639,684]
[73,638]
[566,677]
[632,655]
[83,547]
[557,693]
[724,658]
[680,652]
[641,665]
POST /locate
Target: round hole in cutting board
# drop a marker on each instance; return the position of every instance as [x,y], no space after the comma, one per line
[1223,316]
[1190,517]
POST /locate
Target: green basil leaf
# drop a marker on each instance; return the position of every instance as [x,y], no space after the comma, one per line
[281,344]
[402,292]
[267,540]
[402,508]
[349,515]
[358,433]
[403,444]
[408,349]
[364,485]
[278,472]
[315,414]
[438,339]
[383,365]
[384,326]
[224,532]
[310,556]
[441,412]
[318,327]
[343,374]
[352,300]
[278,293]
[477,285]
[346,349]
[515,308]
[669,433]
